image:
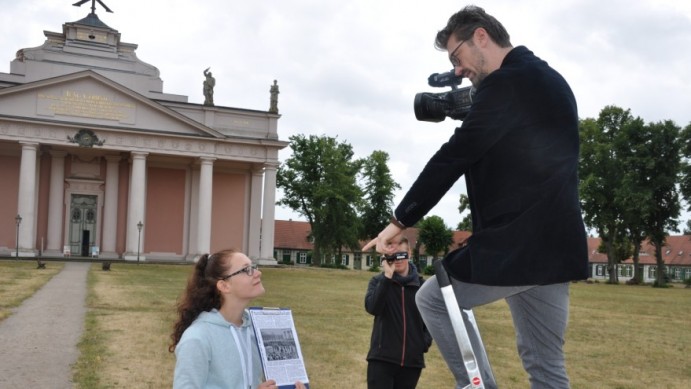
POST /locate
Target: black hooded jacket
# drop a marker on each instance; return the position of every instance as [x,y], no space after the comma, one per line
[398,335]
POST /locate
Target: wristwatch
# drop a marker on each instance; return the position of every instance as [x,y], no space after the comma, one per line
[396,223]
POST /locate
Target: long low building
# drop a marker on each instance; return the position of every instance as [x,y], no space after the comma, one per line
[293,245]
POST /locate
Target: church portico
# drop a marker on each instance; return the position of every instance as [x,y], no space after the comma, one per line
[98,165]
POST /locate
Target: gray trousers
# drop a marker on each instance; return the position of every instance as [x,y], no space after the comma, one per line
[540,315]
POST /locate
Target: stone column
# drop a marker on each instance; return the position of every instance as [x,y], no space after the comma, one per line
[204,207]
[268,215]
[135,207]
[56,204]
[255,213]
[110,207]
[26,203]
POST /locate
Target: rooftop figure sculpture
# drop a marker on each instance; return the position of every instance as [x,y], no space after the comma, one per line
[209,84]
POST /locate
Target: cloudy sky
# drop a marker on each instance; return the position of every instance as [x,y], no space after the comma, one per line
[350,69]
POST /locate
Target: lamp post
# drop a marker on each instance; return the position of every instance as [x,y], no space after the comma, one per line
[18,219]
[139,240]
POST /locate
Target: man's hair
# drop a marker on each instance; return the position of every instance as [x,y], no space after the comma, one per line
[463,24]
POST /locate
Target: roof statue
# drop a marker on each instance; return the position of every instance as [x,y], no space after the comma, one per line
[209,84]
[273,107]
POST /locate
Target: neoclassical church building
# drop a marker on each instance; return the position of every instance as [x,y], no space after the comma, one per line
[95,159]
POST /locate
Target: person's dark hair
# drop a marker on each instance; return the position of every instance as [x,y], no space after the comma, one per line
[201,294]
[463,24]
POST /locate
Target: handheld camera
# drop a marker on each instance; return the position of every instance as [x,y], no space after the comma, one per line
[435,107]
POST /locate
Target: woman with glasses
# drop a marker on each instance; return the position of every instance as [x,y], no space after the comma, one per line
[213,338]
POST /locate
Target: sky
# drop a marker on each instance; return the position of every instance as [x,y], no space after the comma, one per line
[350,69]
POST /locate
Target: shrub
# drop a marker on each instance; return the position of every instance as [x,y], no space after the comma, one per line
[429,270]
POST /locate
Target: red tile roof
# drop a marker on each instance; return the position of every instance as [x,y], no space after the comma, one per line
[677,252]
[291,234]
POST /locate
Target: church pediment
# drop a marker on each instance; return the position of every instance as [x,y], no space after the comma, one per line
[91,99]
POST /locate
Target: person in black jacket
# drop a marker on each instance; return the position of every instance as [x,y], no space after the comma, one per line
[399,337]
[518,149]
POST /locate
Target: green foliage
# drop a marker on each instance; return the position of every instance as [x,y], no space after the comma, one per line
[429,270]
[435,235]
[319,182]
[629,174]
[685,169]
[467,223]
[374,267]
[379,189]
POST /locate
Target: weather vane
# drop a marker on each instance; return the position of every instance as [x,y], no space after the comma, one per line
[93,5]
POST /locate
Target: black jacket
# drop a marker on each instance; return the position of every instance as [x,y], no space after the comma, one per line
[398,335]
[518,148]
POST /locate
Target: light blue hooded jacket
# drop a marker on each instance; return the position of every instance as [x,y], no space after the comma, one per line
[207,355]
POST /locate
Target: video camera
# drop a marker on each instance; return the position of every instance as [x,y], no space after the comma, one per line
[396,257]
[435,107]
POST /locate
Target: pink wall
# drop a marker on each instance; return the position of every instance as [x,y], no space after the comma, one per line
[165,215]
[228,218]
[9,176]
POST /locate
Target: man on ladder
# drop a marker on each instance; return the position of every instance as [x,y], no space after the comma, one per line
[518,148]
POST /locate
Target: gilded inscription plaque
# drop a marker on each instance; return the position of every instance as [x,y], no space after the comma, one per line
[86,105]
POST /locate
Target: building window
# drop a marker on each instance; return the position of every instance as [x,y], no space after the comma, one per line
[625,270]
[598,270]
[652,270]
[344,259]
[287,256]
[302,257]
[368,259]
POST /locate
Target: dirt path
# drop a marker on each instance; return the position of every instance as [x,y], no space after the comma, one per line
[38,343]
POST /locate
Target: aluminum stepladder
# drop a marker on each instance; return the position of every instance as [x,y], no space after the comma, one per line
[467,333]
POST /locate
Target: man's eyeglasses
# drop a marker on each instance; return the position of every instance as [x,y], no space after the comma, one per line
[452,57]
[249,270]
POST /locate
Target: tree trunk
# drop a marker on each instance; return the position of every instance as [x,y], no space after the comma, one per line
[611,265]
[660,279]
[637,270]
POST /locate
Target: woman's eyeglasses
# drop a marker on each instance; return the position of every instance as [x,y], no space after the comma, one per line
[249,270]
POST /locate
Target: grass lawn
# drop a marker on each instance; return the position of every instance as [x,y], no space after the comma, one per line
[619,336]
[19,280]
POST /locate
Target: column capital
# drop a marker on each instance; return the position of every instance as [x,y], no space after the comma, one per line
[138,154]
[113,158]
[29,145]
[57,153]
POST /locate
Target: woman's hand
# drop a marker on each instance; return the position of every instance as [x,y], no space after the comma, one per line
[269,384]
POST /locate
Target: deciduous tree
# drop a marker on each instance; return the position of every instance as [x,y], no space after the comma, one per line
[319,182]
[435,235]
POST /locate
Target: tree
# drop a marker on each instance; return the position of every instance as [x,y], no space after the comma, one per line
[663,172]
[634,195]
[319,182]
[601,173]
[467,223]
[435,235]
[685,168]
[378,191]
